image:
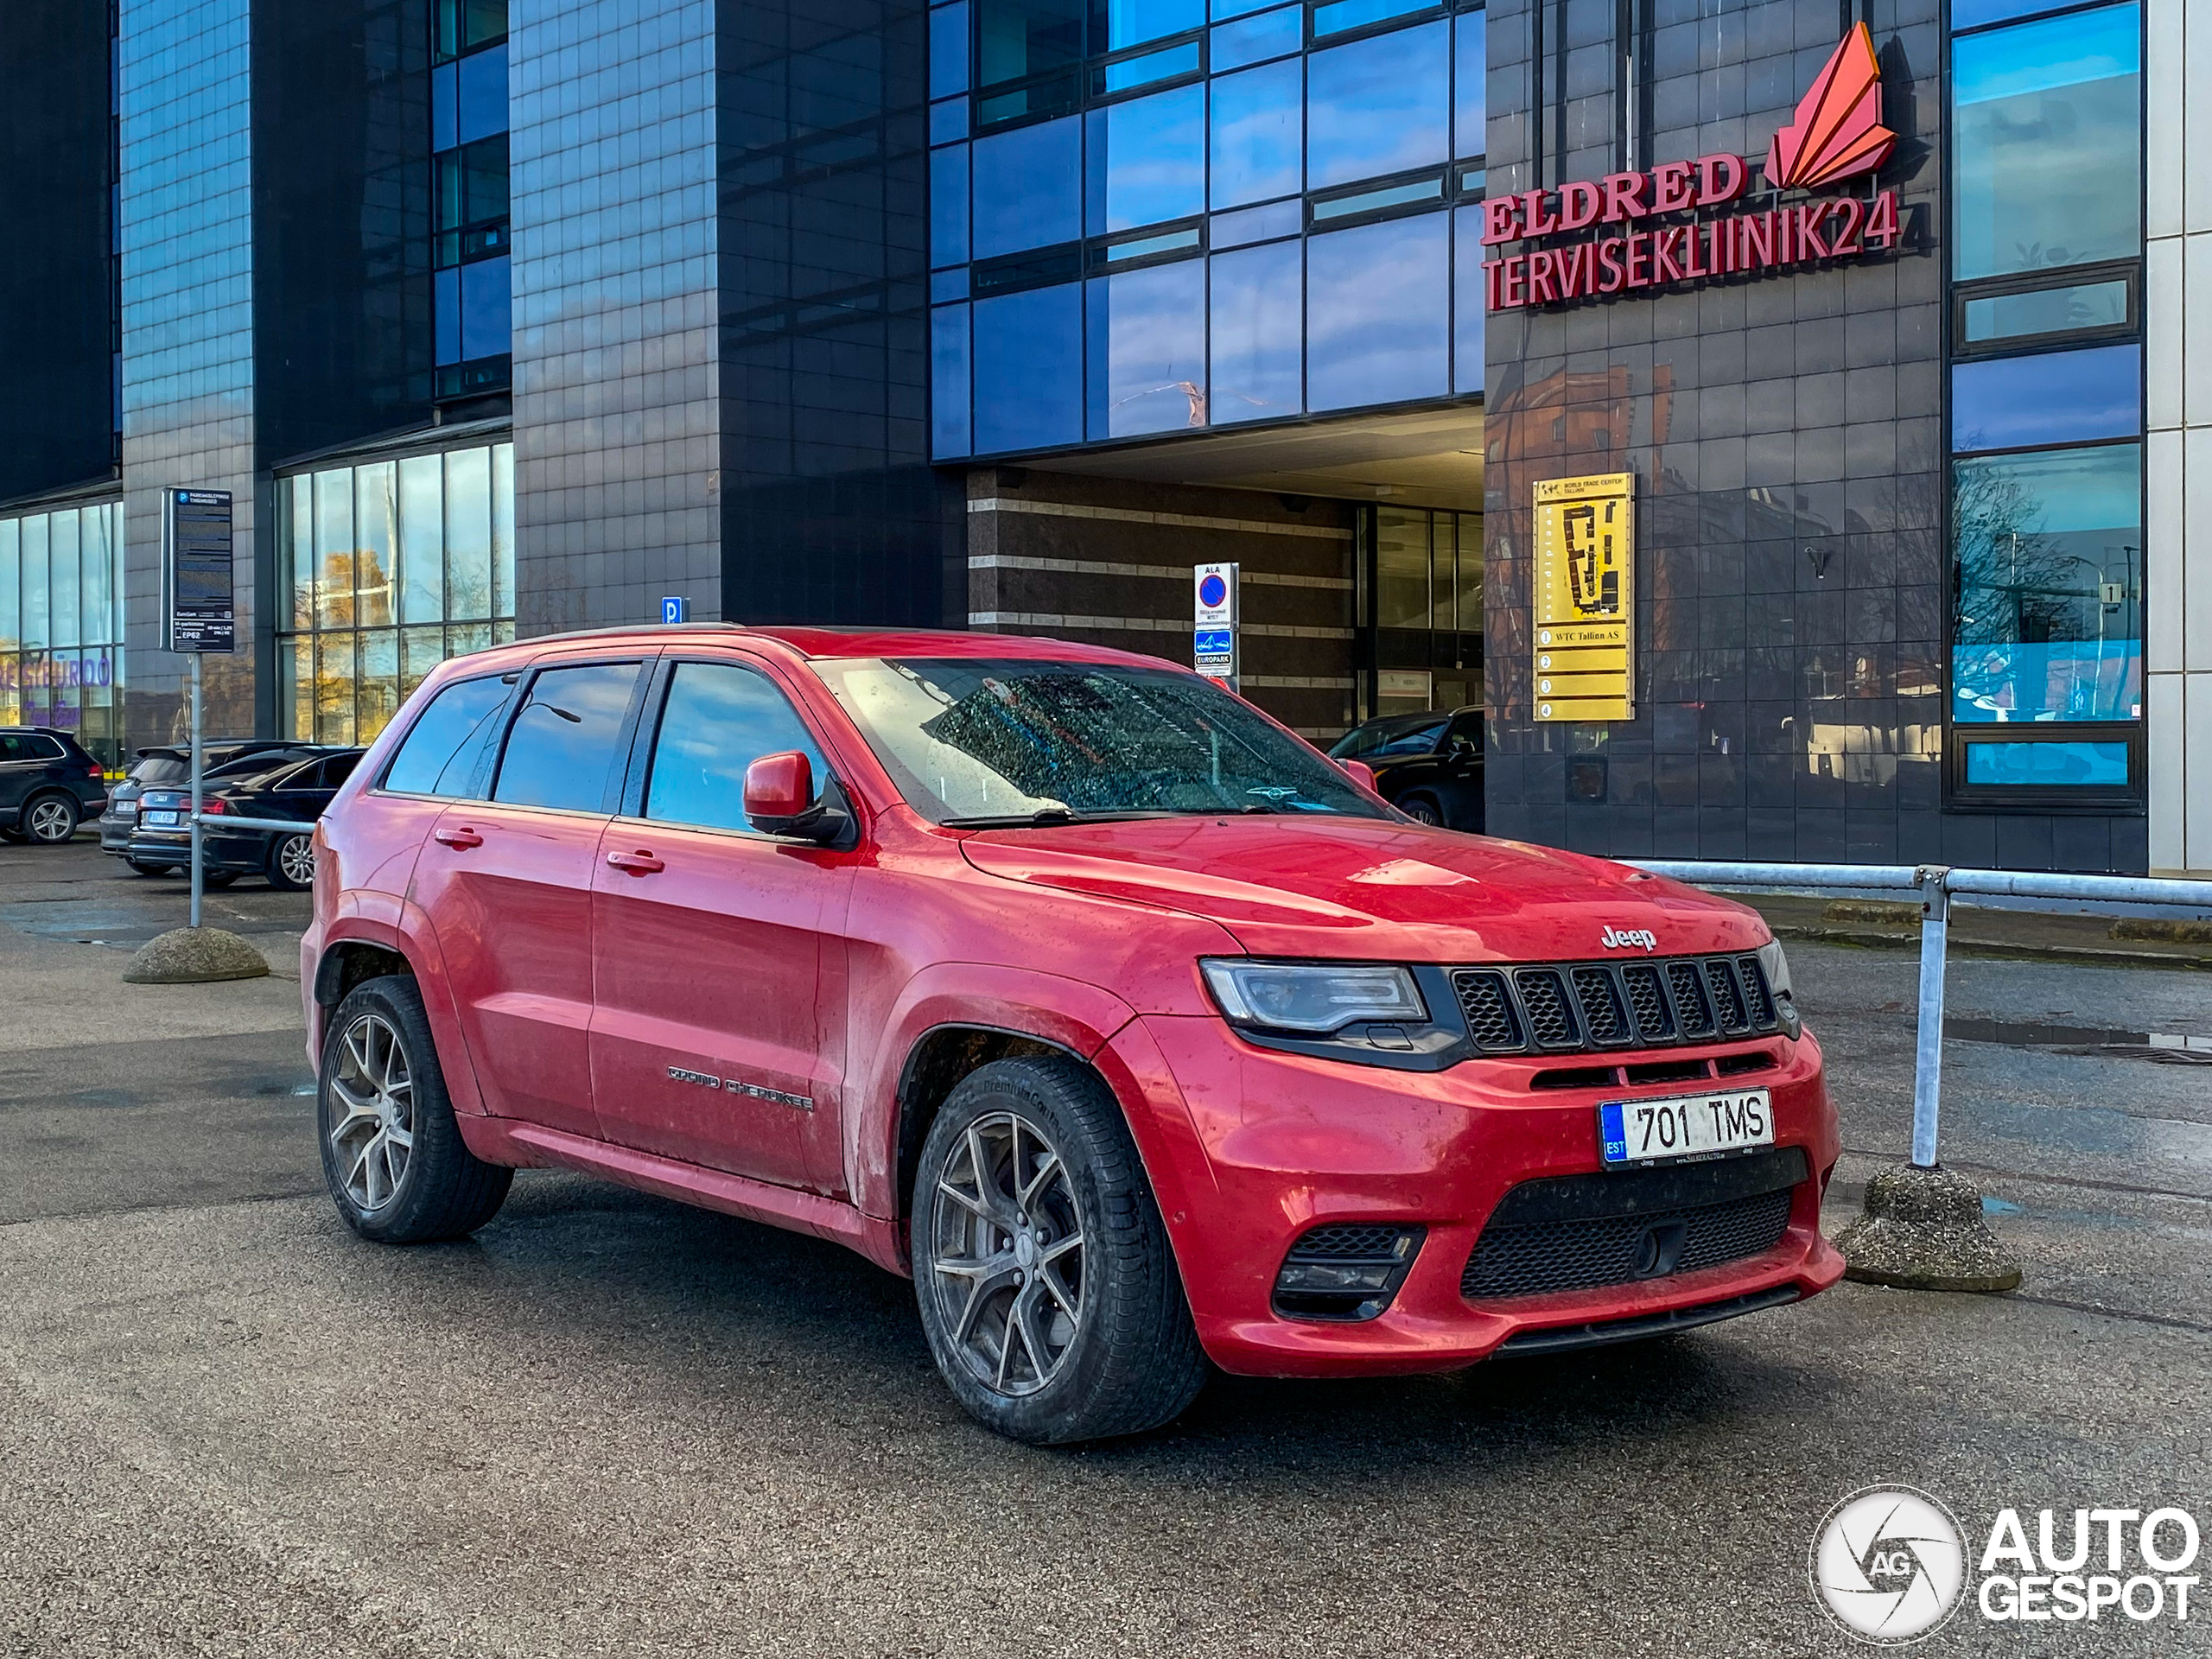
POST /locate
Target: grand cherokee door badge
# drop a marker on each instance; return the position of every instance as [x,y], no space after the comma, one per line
[708,1080]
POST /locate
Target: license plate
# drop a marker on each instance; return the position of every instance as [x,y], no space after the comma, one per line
[163,820]
[1683,1126]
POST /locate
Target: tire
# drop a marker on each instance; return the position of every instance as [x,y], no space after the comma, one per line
[287,856]
[438,1189]
[1422,808]
[137,868]
[1125,1358]
[215,878]
[13,836]
[51,819]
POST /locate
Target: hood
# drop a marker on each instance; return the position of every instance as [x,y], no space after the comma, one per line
[1371,889]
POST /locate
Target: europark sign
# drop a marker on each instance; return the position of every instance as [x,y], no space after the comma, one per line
[1836,135]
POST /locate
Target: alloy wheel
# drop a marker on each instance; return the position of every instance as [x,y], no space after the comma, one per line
[295,858]
[373,1088]
[51,820]
[1007,1254]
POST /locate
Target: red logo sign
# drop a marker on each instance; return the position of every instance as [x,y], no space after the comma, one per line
[1839,129]
[1838,133]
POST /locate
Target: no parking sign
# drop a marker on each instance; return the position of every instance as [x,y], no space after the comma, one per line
[1214,623]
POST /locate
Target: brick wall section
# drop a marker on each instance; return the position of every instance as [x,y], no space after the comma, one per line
[1108,562]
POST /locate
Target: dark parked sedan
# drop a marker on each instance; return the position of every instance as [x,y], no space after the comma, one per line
[171,763]
[292,787]
[1429,765]
[49,784]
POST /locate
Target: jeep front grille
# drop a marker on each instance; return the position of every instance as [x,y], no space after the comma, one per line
[1568,1008]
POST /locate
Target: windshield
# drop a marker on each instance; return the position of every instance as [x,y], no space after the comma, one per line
[1379,738]
[978,740]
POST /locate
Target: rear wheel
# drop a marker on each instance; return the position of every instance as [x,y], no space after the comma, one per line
[392,1155]
[1047,1289]
[49,820]
[292,861]
[1422,808]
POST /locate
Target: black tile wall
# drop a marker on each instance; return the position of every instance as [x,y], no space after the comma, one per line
[1786,435]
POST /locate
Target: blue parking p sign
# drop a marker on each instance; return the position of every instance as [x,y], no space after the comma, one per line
[674,609]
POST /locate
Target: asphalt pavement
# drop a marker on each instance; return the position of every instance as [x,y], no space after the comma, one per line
[610,1425]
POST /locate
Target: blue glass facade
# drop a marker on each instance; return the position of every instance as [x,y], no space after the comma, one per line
[1146,222]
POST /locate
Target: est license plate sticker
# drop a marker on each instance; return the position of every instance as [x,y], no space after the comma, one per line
[1686,1126]
[164,820]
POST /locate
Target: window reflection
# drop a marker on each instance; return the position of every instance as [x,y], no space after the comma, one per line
[1255,40]
[1376,313]
[2048,141]
[1014,38]
[2047,311]
[1377,106]
[1026,192]
[2016,402]
[948,206]
[1028,352]
[2047,622]
[61,575]
[1255,135]
[949,381]
[1470,109]
[1147,160]
[1467,300]
[1257,334]
[426,541]
[1117,24]
[2076,766]
[1148,341]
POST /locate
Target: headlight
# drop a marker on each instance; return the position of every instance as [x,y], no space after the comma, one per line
[1318,997]
[1777,968]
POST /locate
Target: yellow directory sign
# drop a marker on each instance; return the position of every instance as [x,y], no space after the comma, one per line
[1585,598]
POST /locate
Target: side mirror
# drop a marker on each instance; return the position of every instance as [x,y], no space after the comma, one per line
[779,800]
[1360,772]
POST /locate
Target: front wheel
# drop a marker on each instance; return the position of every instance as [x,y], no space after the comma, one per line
[291,862]
[392,1155]
[1047,1289]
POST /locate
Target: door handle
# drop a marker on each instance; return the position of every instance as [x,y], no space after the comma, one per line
[458,837]
[638,863]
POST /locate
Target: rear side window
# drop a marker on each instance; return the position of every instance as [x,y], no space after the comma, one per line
[442,749]
[562,744]
[719,719]
[29,746]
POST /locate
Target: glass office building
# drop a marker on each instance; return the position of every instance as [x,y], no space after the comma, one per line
[500,318]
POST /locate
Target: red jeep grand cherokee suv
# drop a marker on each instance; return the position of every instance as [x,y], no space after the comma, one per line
[1134,1029]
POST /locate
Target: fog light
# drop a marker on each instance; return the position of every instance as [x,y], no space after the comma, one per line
[1346,1271]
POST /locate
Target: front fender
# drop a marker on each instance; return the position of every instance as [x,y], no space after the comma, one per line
[1066,1014]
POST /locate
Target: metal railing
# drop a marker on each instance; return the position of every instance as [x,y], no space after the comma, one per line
[1937,884]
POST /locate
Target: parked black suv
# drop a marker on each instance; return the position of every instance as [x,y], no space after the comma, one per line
[49,784]
[170,763]
[293,784]
[1429,765]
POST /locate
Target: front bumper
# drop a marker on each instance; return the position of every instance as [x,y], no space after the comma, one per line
[1291,1142]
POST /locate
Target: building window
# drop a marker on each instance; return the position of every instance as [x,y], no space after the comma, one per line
[1422,609]
[384,570]
[471,301]
[2046,409]
[1265,146]
[61,625]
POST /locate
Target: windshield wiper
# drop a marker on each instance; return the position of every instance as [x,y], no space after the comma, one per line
[1045,815]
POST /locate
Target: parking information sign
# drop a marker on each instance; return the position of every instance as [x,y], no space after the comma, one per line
[1213,622]
[198,602]
[1585,598]
[674,610]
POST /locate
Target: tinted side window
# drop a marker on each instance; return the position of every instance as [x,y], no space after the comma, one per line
[719,719]
[159,769]
[440,754]
[564,738]
[11,749]
[338,769]
[38,748]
